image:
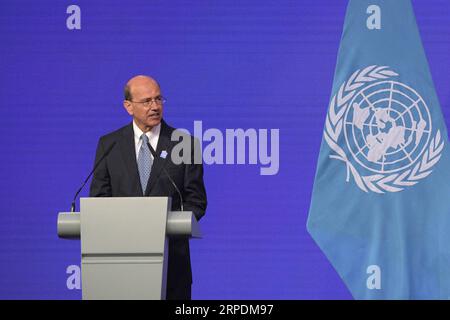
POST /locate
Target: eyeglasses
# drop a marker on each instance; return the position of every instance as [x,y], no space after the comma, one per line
[159,100]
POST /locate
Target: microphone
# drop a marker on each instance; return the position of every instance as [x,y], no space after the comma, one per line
[72,207]
[168,175]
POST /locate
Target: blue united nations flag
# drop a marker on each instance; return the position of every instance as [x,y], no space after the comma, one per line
[380,209]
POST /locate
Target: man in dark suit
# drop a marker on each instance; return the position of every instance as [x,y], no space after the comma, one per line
[130,170]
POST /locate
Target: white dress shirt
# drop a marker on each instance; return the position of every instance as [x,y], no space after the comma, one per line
[153,137]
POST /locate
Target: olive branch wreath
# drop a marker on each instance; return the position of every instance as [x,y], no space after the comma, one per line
[378,183]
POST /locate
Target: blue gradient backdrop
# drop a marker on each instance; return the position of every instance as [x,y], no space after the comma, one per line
[232,64]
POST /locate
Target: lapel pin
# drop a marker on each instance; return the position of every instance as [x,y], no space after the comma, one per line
[163,154]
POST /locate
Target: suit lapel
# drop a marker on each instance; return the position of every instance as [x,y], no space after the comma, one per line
[128,151]
[159,163]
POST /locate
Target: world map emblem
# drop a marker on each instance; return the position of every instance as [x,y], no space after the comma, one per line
[382,130]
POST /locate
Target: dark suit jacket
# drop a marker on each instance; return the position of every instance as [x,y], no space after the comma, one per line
[118,176]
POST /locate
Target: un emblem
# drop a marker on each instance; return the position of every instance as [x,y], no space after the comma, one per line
[382,130]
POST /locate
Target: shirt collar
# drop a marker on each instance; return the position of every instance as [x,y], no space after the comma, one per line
[152,133]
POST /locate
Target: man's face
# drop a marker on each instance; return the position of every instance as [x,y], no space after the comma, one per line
[146,115]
